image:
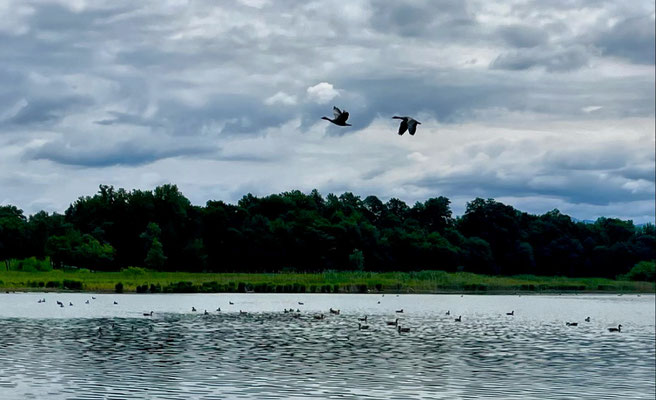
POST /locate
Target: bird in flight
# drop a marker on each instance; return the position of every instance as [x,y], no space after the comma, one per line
[340,117]
[407,123]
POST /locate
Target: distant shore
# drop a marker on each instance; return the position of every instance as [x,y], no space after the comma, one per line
[137,280]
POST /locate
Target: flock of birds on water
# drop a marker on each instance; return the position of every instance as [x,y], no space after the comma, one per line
[407,123]
[362,321]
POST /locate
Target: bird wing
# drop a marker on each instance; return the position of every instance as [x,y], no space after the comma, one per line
[336,112]
[412,126]
[403,127]
[341,118]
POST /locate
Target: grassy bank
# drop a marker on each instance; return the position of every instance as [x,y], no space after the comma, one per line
[144,281]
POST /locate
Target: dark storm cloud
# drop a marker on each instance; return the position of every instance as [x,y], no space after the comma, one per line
[523,35]
[630,38]
[104,155]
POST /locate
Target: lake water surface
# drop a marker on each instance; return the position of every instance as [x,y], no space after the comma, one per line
[52,352]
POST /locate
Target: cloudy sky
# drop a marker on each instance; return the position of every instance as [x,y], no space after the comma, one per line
[537,104]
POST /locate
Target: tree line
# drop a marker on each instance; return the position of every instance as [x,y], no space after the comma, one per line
[294,231]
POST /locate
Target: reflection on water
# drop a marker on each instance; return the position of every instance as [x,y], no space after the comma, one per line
[276,355]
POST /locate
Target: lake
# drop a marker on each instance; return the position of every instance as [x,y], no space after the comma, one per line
[103,350]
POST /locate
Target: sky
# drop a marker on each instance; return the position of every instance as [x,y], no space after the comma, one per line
[540,105]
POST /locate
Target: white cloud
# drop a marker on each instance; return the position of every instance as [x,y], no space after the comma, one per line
[322,92]
[281,98]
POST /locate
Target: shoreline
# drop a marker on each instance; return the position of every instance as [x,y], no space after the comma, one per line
[136,280]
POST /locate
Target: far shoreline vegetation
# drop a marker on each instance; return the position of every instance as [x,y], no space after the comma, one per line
[139,280]
[292,242]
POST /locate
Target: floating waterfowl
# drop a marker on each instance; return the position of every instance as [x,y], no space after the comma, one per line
[393,323]
[402,329]
[70,304]
[363,319]
[459,319]
[511,313]
[193,309]
[571,323]
[115,302]
[300,303]
[399,311]
[587,319]
[218,309]
[336,312]
[361,327]
[150,314]
[448,312]
[618,329]
[407,123]
[321,316]
[206,313]
[231,303]
[86,302]
[242,312]
[340,117]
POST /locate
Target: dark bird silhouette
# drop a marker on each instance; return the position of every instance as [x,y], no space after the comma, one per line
[70,304]
[340,117]
[300,303]
[193,309]
[618,329]
[363,319]
[361,327]
[407,124]
[511,313]
[402,329]
[336,312]
[572,323]
[150,314]
[393,323]
[319,316]
[448,312]
[218,309]
[587,319]
[206,313]
[399,311]
[242,312]
[115,302]
[459,319]
[231,303]
[86,302]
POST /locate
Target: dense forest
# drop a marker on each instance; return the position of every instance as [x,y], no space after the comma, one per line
[293,231]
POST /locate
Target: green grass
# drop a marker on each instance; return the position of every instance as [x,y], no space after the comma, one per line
[346,282]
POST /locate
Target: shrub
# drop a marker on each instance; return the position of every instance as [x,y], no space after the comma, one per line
[134,271]
[336,289]
[313,288]
[181,287]
[155,288]
[53,284]
[118,288]
[241,287]
[72,285]
[142,288]
[642,271]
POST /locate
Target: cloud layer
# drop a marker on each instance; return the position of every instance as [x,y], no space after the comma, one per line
[542,105]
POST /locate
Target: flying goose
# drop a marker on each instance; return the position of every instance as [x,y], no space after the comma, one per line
[340,117]
[408,124]
[618,329]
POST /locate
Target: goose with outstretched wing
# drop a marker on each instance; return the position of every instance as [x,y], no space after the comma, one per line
[407,124]
[340,117]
